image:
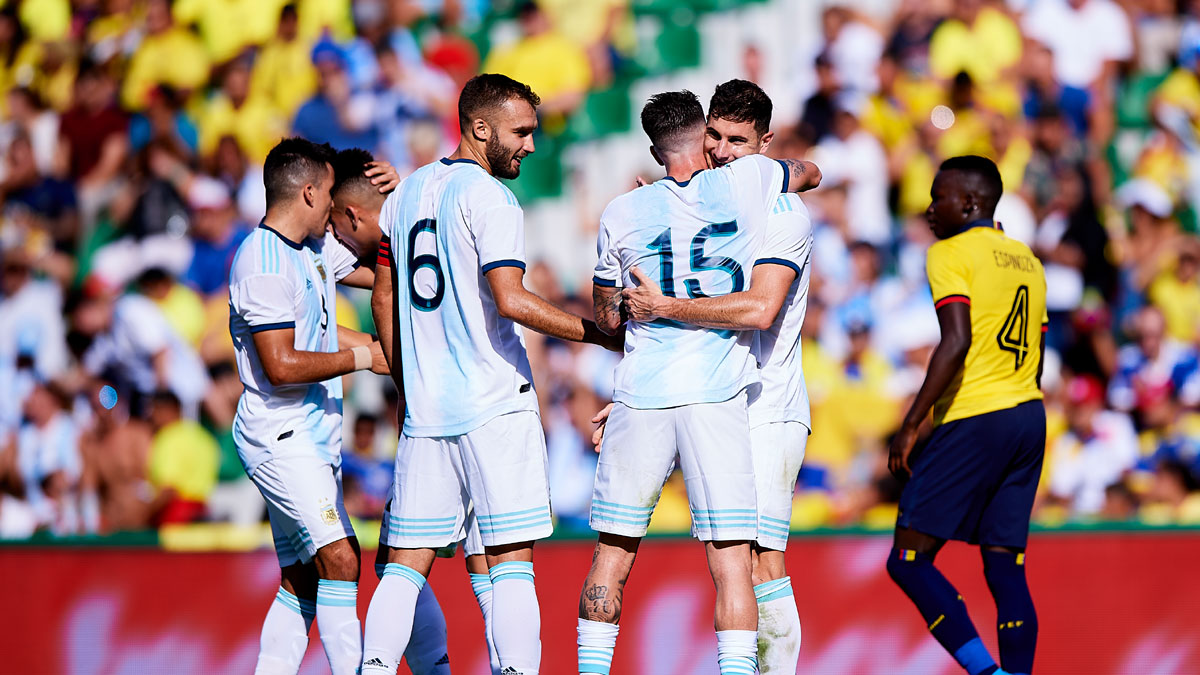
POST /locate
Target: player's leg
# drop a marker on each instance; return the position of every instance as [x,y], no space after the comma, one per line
[425,512]
[427,653]
[715,457]
[481,584]
[285,629]
[338,561]
[503,464]
[778,452]
[1004,533]
[639,449]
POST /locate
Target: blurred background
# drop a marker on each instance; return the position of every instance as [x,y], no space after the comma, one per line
[132,134]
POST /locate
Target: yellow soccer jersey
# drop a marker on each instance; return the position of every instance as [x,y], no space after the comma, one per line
[1005,287]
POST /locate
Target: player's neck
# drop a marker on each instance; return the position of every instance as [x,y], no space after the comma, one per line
[472,153]
[289,225]
[682,168]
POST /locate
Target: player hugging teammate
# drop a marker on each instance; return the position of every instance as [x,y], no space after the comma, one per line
[702,281]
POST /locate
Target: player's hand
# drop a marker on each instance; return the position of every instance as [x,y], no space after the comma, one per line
[642,302]
[900,450]
[601,418]
[379,364]
[383,175]
[639,182]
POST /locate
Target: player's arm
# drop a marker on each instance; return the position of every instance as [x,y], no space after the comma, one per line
[361,277]
[752,309]
[348,338]
[606,307]
[945,364]
[284,364]
[802,175]
[516,303]
[383,310]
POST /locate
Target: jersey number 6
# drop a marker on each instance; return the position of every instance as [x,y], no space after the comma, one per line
[430,260]
[700,262]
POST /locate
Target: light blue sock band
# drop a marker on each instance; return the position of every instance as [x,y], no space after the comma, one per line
[511,570]
[406,572]
[334,593]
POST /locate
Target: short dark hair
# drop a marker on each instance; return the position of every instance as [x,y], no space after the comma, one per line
[668,115]
[349,169]
[742,101]
[293,163]
[484,93]
[985,176]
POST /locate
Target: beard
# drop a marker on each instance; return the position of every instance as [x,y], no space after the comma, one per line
[500,159]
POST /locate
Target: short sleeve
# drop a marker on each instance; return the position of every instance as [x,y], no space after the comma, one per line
[949,276]
[500,235]
[339,258]
[265,302]
[387,223]
[608,263]
[760,177]
[789,235]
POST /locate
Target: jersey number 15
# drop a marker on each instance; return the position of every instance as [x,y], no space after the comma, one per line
[700,262]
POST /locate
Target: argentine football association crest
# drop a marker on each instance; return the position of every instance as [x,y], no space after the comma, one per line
[329,516]
[320,267]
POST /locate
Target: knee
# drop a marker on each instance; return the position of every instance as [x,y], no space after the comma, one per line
[338,561]
[904,564]
[767,566]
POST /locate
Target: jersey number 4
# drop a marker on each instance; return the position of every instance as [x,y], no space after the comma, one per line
[1014,335]
[428,260]
[700,262]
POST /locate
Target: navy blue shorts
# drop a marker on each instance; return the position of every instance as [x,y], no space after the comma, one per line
[976,478]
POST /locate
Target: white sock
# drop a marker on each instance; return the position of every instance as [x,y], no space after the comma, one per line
[737,652]
[427,653]
[516,619]
[481,584]
[778,627]
[597,640]
[337,619]
[390,618]
[285,635]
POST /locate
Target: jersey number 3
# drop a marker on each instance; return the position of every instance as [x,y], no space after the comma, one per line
[1014,335]
[429,260]
[700,262]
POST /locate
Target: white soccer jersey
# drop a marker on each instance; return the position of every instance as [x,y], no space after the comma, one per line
[783,396]
[697,238]
[449,224]
[276,283]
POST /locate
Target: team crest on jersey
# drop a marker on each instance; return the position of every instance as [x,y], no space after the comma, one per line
[320,268]
[329,516]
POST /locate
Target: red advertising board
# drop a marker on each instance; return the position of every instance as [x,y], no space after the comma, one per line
[1107,603]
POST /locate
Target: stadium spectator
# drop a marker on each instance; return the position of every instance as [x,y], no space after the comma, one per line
[1153,361]
[169,54]
[336,115]
[553,66]
[1096,451]
[48,459]
[283,70]
[182,465]
[216,233]
[237,111]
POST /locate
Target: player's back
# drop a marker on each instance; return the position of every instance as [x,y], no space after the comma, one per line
[1005,286]
[463,363]
[696,238]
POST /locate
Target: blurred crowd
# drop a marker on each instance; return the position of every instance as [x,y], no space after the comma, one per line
[132,134]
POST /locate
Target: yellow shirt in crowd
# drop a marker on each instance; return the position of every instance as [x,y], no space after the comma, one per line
[175,57]
[549,63]
[256,125]
[284,75]
[228,26]
[185,457]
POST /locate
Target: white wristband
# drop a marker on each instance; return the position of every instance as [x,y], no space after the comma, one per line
[362,357]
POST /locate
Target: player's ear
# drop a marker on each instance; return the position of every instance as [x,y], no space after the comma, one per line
[310,194]
[481,130]
[765,140]
[352,216]
[654,154]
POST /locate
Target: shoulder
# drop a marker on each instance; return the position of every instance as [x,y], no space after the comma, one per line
[487,191]
[790,202]
[621,205]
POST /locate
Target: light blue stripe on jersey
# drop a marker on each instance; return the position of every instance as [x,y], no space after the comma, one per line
[405,572]
[515,570]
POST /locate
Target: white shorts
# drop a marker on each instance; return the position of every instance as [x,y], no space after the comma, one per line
[497,470]
[712,444]
[471,541]
[304,504]
[778,450]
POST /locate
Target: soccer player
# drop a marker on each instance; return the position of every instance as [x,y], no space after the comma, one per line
[739,120]
[288,426]
[681,390]
[357,204]
[976,477]
[450,318]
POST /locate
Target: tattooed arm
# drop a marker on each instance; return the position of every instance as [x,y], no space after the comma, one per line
[606,302]
[802,175]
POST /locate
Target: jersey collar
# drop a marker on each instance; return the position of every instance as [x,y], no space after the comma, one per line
[684,183]
[289,242]
[461,160]
[982,222]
